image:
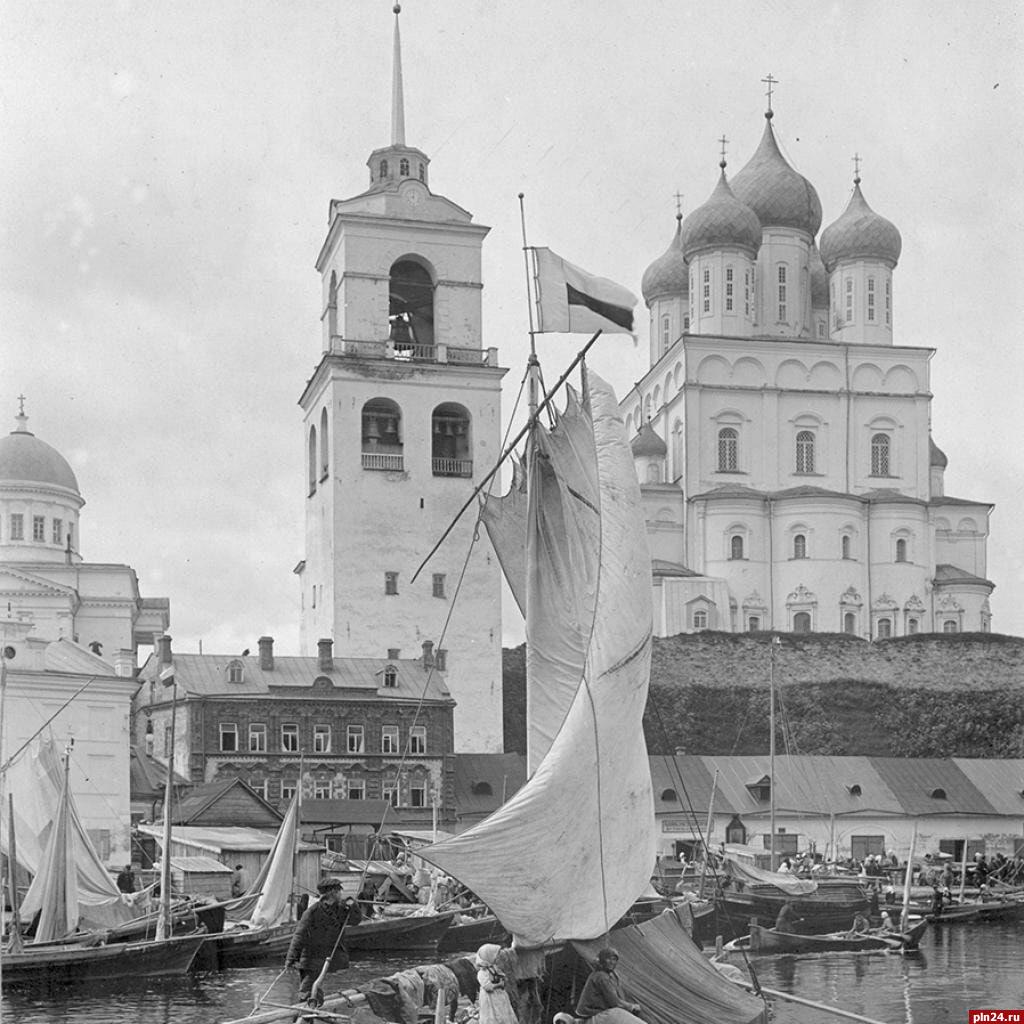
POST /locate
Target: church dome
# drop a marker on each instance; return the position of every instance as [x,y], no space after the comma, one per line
[936,456]
[668,274]
[781,197]
[647,444]
[819,280]
[26,459]
[860,233]
[722,221]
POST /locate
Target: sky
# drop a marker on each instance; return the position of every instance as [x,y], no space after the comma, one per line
[167,168]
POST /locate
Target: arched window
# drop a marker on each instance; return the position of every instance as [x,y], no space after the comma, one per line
[950,626]
[423,173]
[782,292]
[736,546]
[880,455]
[383,168]
[728,450]
[312,460]
[754,623]
[805,451]
[450,447]
[849,623]
[382,435]
[411,307]
[844,545]
[700,619]
[332,306]
[888,303]
[706,289]
[669,796]
[802,622]
[912,626]
[236,673]
[746,293]
[728,289]
[403,167]
[799,546]
[666,333]
[849,300]
[884,629]
[324,451]
[871,300]
[901,550]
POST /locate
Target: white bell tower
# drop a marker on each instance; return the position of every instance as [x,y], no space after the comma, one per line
[402,417]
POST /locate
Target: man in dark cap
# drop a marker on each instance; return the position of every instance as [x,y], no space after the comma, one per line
[603,992]
[316,937]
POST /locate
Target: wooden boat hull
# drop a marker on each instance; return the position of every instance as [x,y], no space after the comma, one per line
[244,947]
[472,935]
[767,941]
[818,916]
[74,965]
[397,934]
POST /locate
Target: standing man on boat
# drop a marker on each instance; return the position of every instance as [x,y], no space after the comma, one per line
[239,881]
[126,879]
[601,999]
[317,937]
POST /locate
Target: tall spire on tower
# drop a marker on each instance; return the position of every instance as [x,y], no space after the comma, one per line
[397,101]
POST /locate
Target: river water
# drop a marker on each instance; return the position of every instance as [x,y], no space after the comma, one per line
[961,968]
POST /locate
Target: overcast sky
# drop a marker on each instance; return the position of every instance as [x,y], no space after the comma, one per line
[166,171]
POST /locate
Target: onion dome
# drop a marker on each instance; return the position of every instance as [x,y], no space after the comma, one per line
[781,197]
[860,233]
[819,280]
[647,444]
[936,456]
[24,459]
[668,274]
[722,221]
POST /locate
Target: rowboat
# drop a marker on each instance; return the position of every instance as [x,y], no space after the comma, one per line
[411,934]
[769,942]
[472,934]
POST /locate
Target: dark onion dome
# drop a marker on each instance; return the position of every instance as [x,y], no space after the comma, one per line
[722,221]
[936,456]
[26,459]
[648,444]
[860,233]
[819,280]
[668,274]
[780,196]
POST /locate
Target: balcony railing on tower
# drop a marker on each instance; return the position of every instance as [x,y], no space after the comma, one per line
[412,352]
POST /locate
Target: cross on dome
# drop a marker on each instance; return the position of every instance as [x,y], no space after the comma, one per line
[679,204]
[856,168]
[769,81]
[21,418]
[723,141]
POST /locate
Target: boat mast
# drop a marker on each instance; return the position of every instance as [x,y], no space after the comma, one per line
[163,924]
[776,642]
[533,365]
[12,877]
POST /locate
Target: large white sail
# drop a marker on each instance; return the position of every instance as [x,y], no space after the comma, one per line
[275,881]
[571,851]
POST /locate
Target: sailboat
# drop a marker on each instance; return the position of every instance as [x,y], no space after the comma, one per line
[69,877]
[566,857]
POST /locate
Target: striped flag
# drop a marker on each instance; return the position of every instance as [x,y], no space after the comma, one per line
[571,300]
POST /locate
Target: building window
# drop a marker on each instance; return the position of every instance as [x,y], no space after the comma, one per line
[58,531]
[700,619]
[354,741]
[871,300]
[418,739]
[849,623]
[805,451]
[782,293]
[39,528]
[356,789]
[290,738]
[324,450]
[391,583]
[382,448]
[403,167]
[288,790]
[259,788]
[321,790]
[321,739]
[802,622]
[666,333]
[418,794]
[451,448]
[849,300]
[236,673]
[844,546]
[312,461]
[799,546]
[228,737]
[686,324]
[736,546]
[880,463]
[746,293]
[17,526]
[389,739]
[706,289]
[438,589]
[383,168]
[884,629]
[389,793]
[753,623]
[728,450]
[912,626]
[257,738]
[728,289]
[888,303]
[390,677]
[866,846]
[422,172]
[950,626]
[901,550]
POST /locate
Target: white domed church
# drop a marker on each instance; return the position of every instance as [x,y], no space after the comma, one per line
[782,437]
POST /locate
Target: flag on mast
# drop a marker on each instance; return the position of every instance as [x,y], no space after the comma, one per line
[571,300]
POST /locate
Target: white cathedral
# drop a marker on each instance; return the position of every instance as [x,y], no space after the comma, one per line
[782,439]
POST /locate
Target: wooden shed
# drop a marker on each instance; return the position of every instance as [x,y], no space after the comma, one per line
[201,876]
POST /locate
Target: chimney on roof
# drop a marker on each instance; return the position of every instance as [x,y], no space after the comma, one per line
[325,654]
[124,664]
[428,653]
[164,649]
[266,653]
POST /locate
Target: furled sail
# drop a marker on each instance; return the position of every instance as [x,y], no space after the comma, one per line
[568,855]
[557,524]
[275,880]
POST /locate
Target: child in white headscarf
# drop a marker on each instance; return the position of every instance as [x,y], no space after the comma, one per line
[494,1004]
